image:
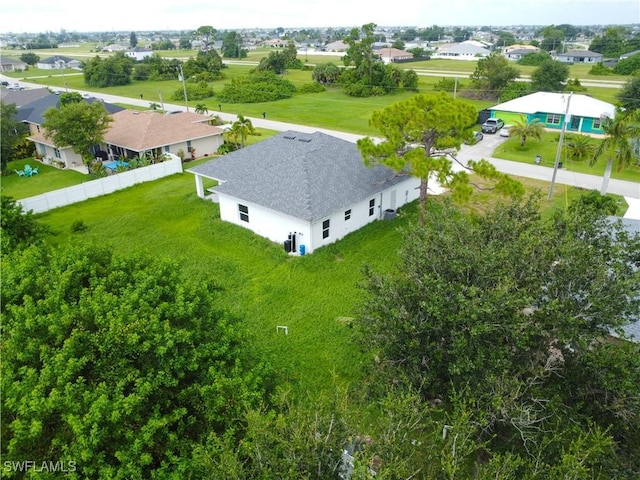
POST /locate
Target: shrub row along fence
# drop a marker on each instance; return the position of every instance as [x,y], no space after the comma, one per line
[103,186]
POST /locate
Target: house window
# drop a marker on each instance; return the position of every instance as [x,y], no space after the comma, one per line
[325,229]
[597,123]
[553,119]
[166,149]
[189,146]
[244,213]
[372,205]
[56,152]
[347,215]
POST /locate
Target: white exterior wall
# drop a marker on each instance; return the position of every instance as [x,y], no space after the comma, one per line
[265,222]
[390,198]
[276,226]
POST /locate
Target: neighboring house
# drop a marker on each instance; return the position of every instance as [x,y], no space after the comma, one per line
[139,53]
[11,65]
[338,46]
[312,186]
[517,53]
[19,98]
[579,56]
[461,51]
[530,48]
[133,133]
[275,43]
[114,47]
[33,115]
[585,113]
[58,62]
[391,55]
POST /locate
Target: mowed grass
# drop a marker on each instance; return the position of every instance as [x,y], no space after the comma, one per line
[331,109]
[48,178]
[547,148]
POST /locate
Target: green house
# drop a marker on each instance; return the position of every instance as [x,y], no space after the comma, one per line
[580,112]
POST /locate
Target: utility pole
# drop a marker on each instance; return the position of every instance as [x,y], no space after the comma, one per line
[565,120]
[184,88]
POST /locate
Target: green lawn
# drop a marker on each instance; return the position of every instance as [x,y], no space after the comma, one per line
[49,178]
[547,148]
[312,295]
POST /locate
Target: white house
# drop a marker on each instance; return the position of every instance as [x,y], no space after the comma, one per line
[58,62]
[462,51]
[138,53]
[313,187]
[579,56]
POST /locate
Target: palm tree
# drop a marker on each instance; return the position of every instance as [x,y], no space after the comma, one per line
[617,145]
[579,147]
[242,128]
[523,130]
[202,108]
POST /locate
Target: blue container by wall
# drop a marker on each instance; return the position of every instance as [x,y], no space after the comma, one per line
[302,249]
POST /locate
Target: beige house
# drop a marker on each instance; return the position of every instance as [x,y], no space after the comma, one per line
[133,133]
[392,55]
[136,133]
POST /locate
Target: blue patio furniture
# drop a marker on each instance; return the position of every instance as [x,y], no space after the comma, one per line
[35,170]
[27,170]
[20,173]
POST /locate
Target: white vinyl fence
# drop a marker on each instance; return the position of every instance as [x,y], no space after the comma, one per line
[102,186]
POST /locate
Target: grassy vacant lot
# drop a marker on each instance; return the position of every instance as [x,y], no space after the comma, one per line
[313,295]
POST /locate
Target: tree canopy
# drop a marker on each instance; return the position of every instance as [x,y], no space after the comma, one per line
[78,124]
[9,132]
[118,363]
[108,72]
[550,76]
[492,75]
[509,311]
[419,136]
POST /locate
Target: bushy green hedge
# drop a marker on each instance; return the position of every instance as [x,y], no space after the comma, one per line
[258,87]
[312,88]
[195,91]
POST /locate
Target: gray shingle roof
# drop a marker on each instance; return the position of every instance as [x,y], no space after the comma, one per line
[55,59]
[308,176]
[33,112]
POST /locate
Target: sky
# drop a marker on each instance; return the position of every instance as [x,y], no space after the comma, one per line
[131,15]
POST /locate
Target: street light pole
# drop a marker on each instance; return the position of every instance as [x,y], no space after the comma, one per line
[184,88]
[565,120]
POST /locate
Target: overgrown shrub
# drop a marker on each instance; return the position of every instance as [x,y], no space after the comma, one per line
[78,226]
[600,69]
[195,91]
[534,59]
[256,88]
[628,66]
[311,88]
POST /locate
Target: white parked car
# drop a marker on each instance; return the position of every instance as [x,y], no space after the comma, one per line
[505,131]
